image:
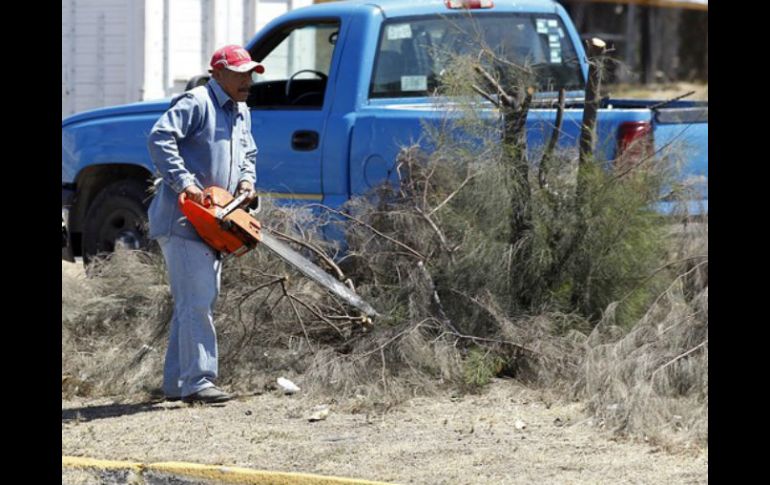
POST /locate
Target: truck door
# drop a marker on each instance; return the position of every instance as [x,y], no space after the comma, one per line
[289,105]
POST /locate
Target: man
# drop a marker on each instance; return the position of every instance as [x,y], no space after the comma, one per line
[203,139]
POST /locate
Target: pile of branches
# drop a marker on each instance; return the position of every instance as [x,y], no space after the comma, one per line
[480,261]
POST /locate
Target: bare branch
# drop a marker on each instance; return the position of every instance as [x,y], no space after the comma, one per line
[435,228]
[659,269]
[362,223]
[553,140]
[485,95]
[326,259]
[504,96]
[596,51]
[678,357]
[317,314]
[384,366]
[671,100]
[435,298]
[451,196]
[495,317]
[390,340]
[520,118]
[296,313]
[507,62]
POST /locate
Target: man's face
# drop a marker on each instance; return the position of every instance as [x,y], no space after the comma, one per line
[235,84]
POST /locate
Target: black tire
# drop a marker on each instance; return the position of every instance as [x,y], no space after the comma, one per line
[117,216]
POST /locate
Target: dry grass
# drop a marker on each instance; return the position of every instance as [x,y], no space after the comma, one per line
[653,380]
[111,323]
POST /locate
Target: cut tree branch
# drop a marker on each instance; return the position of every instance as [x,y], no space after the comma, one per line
[552,141]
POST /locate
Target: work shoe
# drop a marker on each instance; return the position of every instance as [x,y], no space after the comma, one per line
[158,395]
[208,395]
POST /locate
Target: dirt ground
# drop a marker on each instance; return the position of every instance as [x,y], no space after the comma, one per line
[444,439]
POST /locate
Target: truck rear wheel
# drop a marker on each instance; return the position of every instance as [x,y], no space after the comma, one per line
[117,217]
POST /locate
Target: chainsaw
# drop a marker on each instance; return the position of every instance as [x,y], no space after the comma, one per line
[227,224]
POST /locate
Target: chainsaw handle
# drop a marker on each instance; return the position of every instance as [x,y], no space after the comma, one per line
[207,201]
[255,205]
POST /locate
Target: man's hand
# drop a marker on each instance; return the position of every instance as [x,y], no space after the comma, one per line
[194,193]
[248,187]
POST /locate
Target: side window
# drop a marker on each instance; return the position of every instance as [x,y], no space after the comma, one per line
[296,67]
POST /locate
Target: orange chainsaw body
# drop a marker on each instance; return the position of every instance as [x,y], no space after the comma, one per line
[236,232]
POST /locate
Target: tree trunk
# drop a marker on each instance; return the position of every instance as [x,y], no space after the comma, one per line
[596,50]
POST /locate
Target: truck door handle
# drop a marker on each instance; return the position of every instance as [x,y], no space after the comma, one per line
[304,140]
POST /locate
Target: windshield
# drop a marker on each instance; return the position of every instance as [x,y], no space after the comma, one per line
[413,53]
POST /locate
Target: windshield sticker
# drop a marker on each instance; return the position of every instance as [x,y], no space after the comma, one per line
[542,26]
[553,23]
[555,56]
[414,83]
[561,33]
[400,31]
[553,39]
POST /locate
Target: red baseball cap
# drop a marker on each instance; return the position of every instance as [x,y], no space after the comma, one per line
[235,58]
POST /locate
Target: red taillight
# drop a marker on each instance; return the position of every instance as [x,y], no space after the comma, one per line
[469,4]
[635,139]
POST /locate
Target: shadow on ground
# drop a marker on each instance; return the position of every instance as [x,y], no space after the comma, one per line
[91,413]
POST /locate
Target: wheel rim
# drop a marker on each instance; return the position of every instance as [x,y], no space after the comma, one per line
[122,228]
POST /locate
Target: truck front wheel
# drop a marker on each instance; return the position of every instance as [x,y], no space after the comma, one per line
[117,217]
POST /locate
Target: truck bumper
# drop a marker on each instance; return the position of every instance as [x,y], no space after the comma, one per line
[67,196]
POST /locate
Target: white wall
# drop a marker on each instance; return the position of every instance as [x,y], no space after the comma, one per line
[267,10]
[123,51]
[152,42]
[228,23]
[184,25]
[95,37]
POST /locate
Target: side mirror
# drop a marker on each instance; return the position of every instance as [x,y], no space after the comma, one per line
[196,81]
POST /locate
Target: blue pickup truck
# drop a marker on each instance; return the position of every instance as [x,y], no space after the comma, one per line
[346,84]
